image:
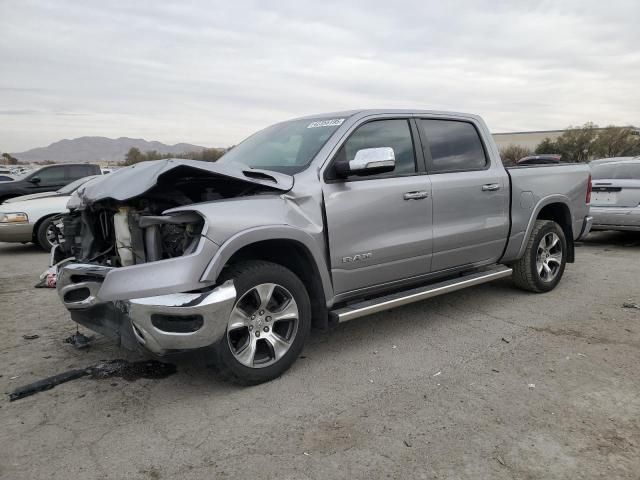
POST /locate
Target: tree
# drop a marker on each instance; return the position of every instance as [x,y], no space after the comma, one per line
[617,142]
[9,160]
[582,144]
[512,153]
[133,156]
[547,146]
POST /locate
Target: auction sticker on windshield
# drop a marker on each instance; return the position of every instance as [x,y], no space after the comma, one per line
[334,122]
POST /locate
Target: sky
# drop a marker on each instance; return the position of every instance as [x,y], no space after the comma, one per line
[210,73]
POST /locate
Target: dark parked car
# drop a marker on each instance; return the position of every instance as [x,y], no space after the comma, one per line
[46,179]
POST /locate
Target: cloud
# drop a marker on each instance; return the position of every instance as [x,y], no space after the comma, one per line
[210,72]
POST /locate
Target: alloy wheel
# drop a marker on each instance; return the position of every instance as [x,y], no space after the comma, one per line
[263,325]
[549,257]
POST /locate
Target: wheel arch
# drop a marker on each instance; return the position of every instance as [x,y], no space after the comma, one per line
[555,208]
[288,247]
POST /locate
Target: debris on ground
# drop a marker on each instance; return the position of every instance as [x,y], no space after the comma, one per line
[630,305]
[79,340]
[436,374]
[532,386]
[45,384]
[407,444]
[500,460]
[505,340]
[31,337]
[48,278]
[129,371]
[495,370]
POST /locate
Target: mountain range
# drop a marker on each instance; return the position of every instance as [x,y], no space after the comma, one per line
[99,149]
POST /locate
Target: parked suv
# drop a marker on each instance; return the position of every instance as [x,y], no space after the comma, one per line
[315,220]
[47,179]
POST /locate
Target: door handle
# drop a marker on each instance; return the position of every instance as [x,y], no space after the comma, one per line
[490,187]
[416,195]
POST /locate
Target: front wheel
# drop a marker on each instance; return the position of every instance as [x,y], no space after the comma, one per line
[545,257]
[268,325]
[46,236]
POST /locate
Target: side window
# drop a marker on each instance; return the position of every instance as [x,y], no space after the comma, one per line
[395,134]
[51,175]
[74,172]
[454,146]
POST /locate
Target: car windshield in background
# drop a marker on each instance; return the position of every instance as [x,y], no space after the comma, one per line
[616,171]
[286,147]
[73,186]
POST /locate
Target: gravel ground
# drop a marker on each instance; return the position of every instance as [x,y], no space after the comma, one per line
[489,382]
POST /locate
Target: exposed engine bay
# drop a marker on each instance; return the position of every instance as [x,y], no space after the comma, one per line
[120,232]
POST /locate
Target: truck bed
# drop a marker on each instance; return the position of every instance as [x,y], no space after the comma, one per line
[534,186]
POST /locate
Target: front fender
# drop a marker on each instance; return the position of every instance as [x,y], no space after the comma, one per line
[269,232]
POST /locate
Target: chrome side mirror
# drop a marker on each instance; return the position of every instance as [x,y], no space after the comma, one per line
[369,161]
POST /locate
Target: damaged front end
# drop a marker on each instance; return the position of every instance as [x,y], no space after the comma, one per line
[138,254]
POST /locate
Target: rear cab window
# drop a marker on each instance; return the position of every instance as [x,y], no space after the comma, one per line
[452,146]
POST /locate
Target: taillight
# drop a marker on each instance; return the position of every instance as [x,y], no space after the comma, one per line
[589,190]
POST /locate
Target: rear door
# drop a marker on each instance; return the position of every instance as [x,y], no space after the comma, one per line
[470,195]
[379,227]
[76,172]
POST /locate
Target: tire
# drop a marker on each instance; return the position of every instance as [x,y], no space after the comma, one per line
[42,234]
[257,347]
[545,257]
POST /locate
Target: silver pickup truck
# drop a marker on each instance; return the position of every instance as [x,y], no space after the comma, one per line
[310,222]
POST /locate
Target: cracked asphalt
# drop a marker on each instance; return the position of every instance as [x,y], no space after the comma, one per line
[489,382]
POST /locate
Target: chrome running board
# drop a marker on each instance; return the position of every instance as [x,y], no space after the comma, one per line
[398,299]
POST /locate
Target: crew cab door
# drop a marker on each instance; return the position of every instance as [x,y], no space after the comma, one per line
[470,195]
[379,226]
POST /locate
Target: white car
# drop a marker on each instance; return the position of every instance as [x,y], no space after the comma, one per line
[30,218]
[615,197]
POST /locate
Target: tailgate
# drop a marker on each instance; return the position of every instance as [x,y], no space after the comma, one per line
[615,193]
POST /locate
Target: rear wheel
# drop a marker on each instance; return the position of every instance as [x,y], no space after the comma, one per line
[542,265]
[268,325]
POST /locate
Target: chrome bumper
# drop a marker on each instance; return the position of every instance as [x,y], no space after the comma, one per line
[160,324]
[586,227]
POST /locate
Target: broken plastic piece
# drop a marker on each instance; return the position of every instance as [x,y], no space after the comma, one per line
[79,340]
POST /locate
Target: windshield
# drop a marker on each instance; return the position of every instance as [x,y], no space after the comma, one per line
[286,147]
[73,186]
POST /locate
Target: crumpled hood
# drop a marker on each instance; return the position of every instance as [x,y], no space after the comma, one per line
[129,182]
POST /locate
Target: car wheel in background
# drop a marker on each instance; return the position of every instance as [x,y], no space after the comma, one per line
[45,236]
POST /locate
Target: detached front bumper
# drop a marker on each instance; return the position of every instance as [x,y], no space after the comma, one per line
[160,324]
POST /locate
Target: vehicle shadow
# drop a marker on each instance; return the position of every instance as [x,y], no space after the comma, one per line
[612,238]
[20,249]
